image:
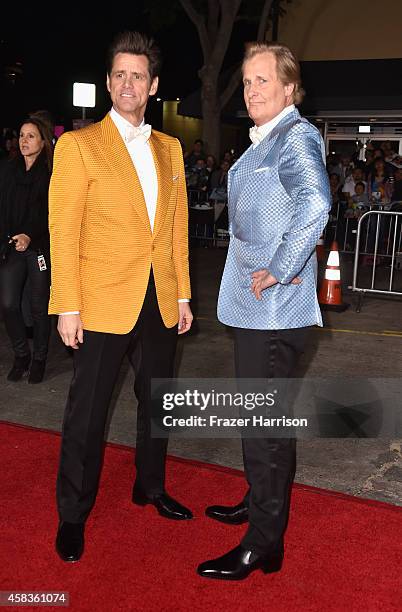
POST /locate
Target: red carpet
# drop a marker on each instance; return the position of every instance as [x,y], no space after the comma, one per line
[342,553]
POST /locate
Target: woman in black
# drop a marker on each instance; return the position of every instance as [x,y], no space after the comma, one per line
[24,184]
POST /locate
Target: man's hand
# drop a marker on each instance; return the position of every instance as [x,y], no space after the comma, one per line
[21,242]
[70,330]
[262,279]
[185,317]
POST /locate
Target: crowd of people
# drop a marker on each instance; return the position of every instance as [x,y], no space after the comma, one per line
[357,183]
[206,179]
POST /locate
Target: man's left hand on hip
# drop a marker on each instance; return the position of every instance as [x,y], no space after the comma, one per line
[262,279]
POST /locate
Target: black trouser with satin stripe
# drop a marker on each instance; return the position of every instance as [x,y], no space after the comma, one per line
[151,348]
[269,464]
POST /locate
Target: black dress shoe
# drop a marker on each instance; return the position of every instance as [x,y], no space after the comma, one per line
[232,515]
[70,541]
[36,371]
[20,367]
[238,563]
[165,505]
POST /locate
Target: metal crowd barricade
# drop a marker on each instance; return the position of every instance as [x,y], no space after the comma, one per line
[344,230]
[378,243]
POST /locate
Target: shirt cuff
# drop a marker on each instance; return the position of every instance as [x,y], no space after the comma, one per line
[72,312]
[183,300]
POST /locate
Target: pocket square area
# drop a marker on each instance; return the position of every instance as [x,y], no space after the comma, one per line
[264,169]
[175,177]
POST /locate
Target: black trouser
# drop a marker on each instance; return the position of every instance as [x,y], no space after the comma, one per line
[13,276]
[269,464]
[151,349]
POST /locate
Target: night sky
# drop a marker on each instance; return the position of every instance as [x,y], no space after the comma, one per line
[57,49]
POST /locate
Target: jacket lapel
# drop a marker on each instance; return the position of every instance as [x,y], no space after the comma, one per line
[119,159]
[163,165]
[242,171]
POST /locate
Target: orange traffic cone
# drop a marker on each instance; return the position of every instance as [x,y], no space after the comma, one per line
[319,249]
[330,295]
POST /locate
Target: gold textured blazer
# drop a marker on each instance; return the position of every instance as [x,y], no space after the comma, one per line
[102,246]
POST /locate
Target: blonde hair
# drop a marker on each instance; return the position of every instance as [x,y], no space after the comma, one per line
[287,66]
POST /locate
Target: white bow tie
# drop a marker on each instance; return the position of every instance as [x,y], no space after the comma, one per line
[255,135]
[142,133]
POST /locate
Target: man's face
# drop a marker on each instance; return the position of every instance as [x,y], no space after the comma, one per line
[357,174]
[130,86]
[264,94]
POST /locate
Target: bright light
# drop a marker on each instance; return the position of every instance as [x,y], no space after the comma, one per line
[364,129]
[178,99]
[84,95]
[159,99]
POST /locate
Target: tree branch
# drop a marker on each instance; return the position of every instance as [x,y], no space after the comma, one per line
[229,10]
[262,28]
[235,78]
[230,87]
[213,19]
[199,23]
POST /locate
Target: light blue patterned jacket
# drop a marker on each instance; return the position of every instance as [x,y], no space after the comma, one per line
[279,199]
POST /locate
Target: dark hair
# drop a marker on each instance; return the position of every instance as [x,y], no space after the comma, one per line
[136,44]
[361,184]
[46,135]
[45,116]
[199,141]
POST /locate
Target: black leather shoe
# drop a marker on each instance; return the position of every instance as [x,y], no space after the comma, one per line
[36,371]
[70,541]
[238,563]
[165,505]
[20,367]
[232,515]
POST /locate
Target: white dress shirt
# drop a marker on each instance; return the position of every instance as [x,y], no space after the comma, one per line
[144,164]
[265,129]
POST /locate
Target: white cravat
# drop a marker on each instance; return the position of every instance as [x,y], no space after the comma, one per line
[143,132]
[257,134]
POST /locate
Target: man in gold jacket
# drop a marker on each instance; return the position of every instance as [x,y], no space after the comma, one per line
[120,280]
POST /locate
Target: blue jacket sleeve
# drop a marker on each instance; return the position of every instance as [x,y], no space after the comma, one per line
[304,177]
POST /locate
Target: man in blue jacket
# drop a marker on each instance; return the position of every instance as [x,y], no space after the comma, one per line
[278,206]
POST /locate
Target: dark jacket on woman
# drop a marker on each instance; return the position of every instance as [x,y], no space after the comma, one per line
[24,201]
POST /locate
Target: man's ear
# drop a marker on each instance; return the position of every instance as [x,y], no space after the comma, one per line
[108,83]
[289,89]
[154,86]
